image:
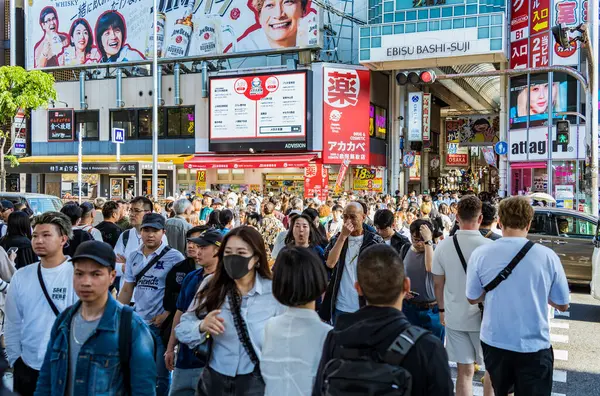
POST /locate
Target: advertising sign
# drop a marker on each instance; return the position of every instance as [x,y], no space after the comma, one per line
[458,157]
[316,179]
[426,117]
[540,16]
[537,147]
[61,125]
[341,175]
[519,21]
[346,95]
[479,130]
[568,13]
[539,50]
[377,122]
[488,154]
[415,116]
[367,179]
[519,54]
[261,111]
[415,170]
[533,100]
[69,33]
[200,181]
[564,196]
[409,159]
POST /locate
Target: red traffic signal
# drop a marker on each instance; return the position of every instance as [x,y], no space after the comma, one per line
[421,77]
[427,76]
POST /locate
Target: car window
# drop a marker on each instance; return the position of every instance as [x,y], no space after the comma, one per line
[542,224]
[576,227]
[42,205]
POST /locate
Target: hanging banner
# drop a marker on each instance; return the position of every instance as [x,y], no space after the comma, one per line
[489,155]
[415,169]
[339,181]
[415,116]
[426,116]
[88,32]
[346,103]
[316,178]
[478,130]
[200,181]
[409,159]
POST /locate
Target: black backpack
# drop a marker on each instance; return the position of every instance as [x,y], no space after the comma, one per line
[363,372]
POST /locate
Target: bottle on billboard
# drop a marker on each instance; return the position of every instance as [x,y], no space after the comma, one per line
[211,36]
[161,20]
[308,31]
[181,35]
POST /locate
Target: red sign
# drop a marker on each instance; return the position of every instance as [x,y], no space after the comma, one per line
[426,117]
[540,50]
[341,175]
[346,101]
[519,21]
[519,54]
[457,159]
[540,17]
[316,178]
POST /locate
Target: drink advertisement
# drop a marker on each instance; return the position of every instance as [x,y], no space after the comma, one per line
[81,32]
[266,111]
[346,96]
[341,176]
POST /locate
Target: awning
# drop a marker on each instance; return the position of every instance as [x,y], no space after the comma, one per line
[249,161]
[174,158]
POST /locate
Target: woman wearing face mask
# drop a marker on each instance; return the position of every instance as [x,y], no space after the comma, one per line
[230,311]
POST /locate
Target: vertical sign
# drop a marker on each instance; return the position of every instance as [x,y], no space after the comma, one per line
[61,125]
[566,12]
[201,181]
[539,26]
[415,116]
[540,17]
[540,50]
[519,34]
[426,117]
[346,102]
[341,175]
[316,178]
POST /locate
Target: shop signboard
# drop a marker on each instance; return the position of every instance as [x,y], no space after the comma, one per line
[426,117]
[316,179]
[539,54]
[61,125]
[568,13]
[519,54]
[540,17]
[200,181]
[415,169]
[478,130]
[377,122]
[519,21]
[415,116]
[346,102]
[339,181]
[536,147]
[185,28]
[258,112]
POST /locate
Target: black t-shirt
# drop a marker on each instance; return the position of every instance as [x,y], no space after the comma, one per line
[173,283]
[110,232]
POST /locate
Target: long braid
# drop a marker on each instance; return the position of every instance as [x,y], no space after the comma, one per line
[240,325]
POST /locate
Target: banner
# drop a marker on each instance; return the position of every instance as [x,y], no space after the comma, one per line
[415,169]
[489,155]
[479,130]
[316,180]
[201,181]
[346,103]
[339,181]
[415,116]
[426,117]
[68,33]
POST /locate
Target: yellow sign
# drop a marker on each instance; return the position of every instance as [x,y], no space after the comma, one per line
[200,181]
[369,185]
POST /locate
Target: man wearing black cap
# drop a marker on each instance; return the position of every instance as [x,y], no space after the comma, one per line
[88,336]
[7,208]
[146,272]
[187,370]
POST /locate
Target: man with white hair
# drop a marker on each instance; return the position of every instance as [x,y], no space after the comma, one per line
[98,205]
[177,226]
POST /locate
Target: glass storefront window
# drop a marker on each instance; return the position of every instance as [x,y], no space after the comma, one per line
[563,174]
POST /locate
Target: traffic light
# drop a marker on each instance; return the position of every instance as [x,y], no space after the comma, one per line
[562,131]
[561,35]
[416,77]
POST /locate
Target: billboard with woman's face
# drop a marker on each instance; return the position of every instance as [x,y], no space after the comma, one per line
[87,32]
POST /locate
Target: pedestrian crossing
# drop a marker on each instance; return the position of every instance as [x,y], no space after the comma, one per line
[559,339]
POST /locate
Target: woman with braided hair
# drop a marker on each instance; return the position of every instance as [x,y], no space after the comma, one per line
[230,312]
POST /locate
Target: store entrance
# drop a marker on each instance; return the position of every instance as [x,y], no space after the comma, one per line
[528,178]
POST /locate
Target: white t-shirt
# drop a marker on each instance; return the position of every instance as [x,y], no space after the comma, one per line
[94,232]
[347,298]
[516,312]
[29,318]
[460,315]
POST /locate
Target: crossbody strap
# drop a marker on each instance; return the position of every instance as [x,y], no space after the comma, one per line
[460,253]
[505,273]
[124,345]
[43,285]
[235,300]
[398,350]
[151,264]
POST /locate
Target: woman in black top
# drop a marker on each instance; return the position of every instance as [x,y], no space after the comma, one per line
[18,235]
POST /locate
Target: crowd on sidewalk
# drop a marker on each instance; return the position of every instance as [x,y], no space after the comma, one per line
[230,293]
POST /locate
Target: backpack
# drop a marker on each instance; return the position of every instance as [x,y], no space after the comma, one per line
[404,250]
[354,372]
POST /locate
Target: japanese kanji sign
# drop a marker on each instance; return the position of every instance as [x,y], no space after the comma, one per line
[540,16]
[540,50]
[346,116]
[60,125]
[569,13]
[415,116]
[426,116]
[519,54]
[316,180]
[519,21]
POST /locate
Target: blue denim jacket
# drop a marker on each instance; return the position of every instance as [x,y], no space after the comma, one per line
[98,365]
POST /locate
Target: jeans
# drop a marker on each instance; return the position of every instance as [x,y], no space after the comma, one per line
[429,319]
[213,383]
[163,375]
[185,381]
[336,314]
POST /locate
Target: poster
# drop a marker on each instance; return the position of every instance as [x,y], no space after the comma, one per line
[479,130]
[269,108]
[346,104]
[489,155]
[200,181]
[61,125]
[533,100]
[564,196]
[415,169]
[69,33]
[116,188]
[377,121]
[415,116]
[367,179]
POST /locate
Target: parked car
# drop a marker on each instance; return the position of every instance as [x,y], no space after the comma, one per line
[38,203]
[572,235]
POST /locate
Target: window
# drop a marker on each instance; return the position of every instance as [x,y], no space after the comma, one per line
[138,122]
[223,175]
[237,174]
[575,227]
[541,224]
[91,119]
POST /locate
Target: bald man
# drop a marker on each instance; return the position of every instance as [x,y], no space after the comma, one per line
[342,255]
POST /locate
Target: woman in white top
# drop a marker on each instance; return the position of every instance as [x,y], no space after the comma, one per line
[294,341]
[444,210]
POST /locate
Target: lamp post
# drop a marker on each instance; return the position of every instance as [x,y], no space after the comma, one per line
[155,103]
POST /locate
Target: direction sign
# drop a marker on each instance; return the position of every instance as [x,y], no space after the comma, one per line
[501,148]
[540,17]
[519,20]
[540,50]
[118,135]
[519,54]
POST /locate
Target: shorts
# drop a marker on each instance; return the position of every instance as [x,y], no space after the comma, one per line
[464,347]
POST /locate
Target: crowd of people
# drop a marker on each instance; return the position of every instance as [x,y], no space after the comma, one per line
[240,294]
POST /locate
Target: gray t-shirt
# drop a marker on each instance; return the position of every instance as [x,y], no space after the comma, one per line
[81,330]
[421,281]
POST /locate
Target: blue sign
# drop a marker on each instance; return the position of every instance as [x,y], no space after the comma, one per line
[501,148]
[20,145]
[118,135]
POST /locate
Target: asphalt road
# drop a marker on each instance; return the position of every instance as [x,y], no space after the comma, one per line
[576,342]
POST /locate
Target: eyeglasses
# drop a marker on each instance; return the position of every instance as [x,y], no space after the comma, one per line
[140,211]
[50,20]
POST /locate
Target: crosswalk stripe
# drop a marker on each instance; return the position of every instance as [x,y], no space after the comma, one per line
[557,394]
[561,338]
[560,354]
[559,376]
[559,324]
[566,314]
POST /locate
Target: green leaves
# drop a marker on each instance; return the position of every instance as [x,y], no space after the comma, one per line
[27,90]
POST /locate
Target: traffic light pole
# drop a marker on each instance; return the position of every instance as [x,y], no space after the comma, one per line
[590,85]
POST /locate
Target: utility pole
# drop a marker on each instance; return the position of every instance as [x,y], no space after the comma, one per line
[592,122]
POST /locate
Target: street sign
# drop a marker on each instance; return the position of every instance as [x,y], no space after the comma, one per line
[501,148]
[519,20]
[540,17]
[20,146]
[118,135]
[540,50]
[519,51]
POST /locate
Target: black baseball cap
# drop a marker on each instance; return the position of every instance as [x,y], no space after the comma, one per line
[100,252]
[208,237]
[217,201]
[6,204]
[153,220]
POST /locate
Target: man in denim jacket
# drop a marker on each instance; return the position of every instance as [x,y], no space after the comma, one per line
[83,353]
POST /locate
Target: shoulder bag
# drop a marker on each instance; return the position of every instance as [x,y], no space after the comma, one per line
[43,285]
[464,265]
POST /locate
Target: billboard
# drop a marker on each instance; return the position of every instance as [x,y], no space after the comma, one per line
[69,33]
[346,94]
[477,130]
[534,146]
[259,112]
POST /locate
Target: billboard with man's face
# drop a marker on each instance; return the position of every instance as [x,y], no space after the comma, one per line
[87,32]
